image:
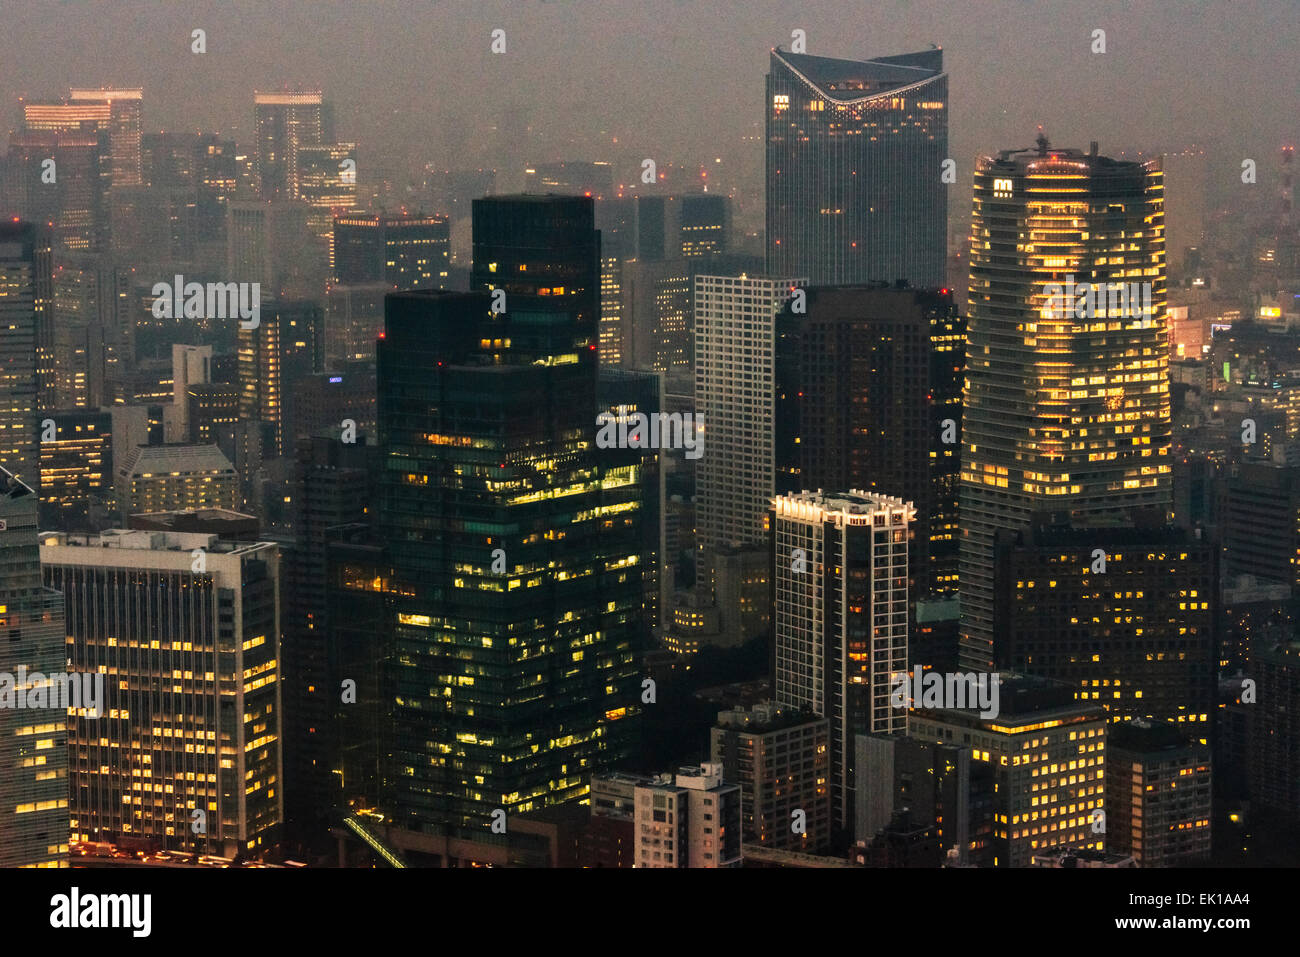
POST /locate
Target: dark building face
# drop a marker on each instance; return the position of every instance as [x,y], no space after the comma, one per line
[1261,522]
[1138,638]
[26,363]
[514,549]
[77,469]
[211,405]
[1273,764]
[705,225]
[75,203]
[866,381]
[287,344]
[1157,794]
[406,252]
[854,162]
[342,403]
[333,490]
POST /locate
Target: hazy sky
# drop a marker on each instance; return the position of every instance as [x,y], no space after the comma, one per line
[678,80]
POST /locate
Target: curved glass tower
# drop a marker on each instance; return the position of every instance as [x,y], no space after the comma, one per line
[855,153]
[1066,405]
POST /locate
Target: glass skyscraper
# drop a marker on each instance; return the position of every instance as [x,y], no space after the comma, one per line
[34,815]
[26,364]
[514,542]
[1066,404]
[855,155]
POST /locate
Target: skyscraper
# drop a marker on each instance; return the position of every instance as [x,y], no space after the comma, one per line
[654,326]
[1137,638]
[124,125]
[734,393]
[284,122]
[1066,406]
[868,395]
[514,547]
[839,574]
[327,185]
[26,363]
[854,165]
[406,252]
[286,345]
[34,822]
[188,626]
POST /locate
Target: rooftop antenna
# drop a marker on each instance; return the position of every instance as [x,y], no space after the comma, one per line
[1043,145]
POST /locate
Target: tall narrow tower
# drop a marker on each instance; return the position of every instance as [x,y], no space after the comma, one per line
[839,579]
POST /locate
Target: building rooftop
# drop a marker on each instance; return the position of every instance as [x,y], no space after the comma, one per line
[859,79]
[1146,736]
[764,717]
[851,503]
[176,457]
[149,540]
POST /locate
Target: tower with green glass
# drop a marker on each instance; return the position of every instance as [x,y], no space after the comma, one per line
[515,544]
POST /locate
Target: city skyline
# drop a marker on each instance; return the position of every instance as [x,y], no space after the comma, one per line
[561,435]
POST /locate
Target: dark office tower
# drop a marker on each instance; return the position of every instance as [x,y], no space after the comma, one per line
[854,162]
[74,202]
[288,343]
[26,367]
[1273,755]
[284,122]
[208,407]
[616,220]
[324,402]
[542,246]
[1126,616]
[866,378]
[1261,522]
[34,821]
[333,487]
[76,469]
[514,548]
[124,118]
[406,252]
[624,393]
[1066,405]
[656,328]
[705,225]
[1157,794]
[656,236]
